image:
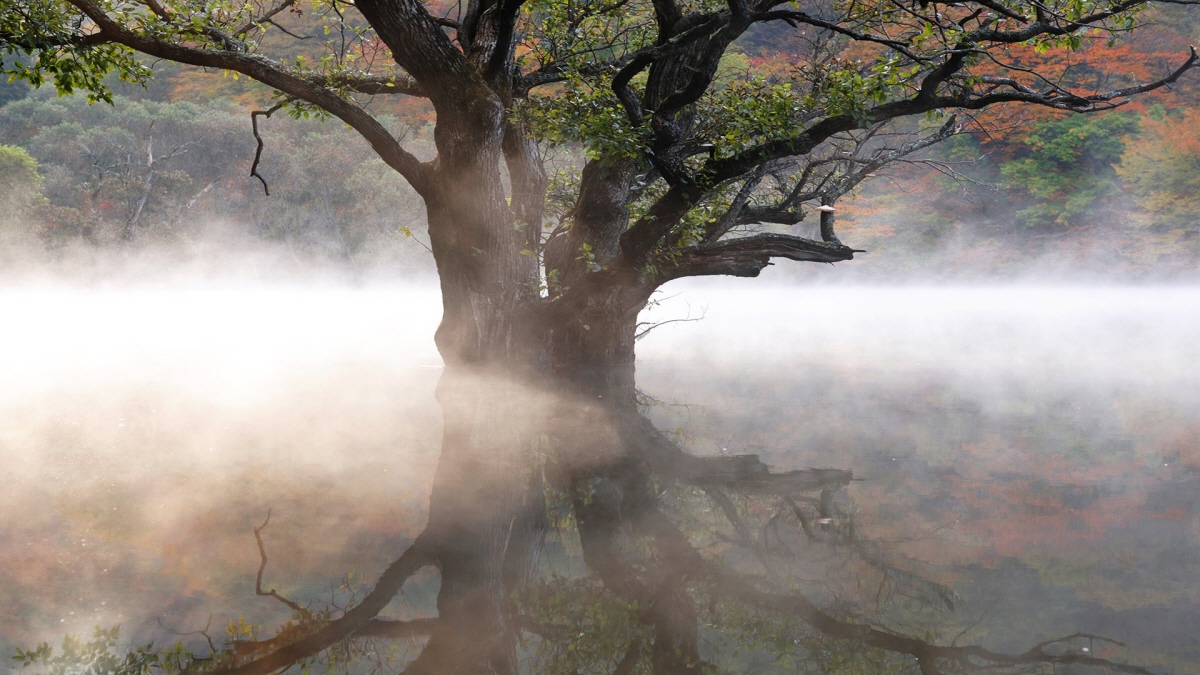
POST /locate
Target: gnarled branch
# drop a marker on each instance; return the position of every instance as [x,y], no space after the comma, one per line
[748,256]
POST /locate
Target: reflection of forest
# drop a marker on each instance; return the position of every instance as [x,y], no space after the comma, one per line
[1051,483]
[1050,498]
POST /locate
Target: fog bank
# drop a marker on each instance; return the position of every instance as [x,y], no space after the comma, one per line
[1031,446]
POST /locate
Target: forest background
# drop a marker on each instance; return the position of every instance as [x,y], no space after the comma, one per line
[161,179]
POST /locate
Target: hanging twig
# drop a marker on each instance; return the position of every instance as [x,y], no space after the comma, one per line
[262,552]
[258,153]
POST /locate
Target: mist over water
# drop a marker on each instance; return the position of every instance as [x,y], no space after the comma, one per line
[145,432]
[1036,448]
[1048,335]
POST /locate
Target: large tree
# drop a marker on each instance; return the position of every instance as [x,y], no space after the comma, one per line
[690,167]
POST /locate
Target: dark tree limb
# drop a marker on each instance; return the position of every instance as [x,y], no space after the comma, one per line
[427,54]
[746,161]
[748,256]
[672,612]
[796,17]
[733,215]
[700,28]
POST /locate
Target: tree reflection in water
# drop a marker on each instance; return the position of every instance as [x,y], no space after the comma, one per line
[692,564]
[655,560]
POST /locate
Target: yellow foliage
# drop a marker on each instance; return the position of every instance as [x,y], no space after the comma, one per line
[1163,169]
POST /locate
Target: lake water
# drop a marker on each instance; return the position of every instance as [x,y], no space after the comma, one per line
[1034,448]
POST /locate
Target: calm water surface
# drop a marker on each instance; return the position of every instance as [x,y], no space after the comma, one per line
[1036,449]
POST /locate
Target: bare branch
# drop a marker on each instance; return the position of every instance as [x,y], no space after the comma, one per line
[266,17]
[1187,65]
[748,256]
[286,31]
[733,215]
[262,552]
[416,556]
[203,632]
[645,327]
[267,191]
[795,17]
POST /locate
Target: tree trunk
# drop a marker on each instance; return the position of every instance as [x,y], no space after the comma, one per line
[509,382]
[515,378]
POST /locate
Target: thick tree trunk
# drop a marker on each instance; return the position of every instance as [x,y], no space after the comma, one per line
[486,517]
[513,381]
[608,475]
[507,385]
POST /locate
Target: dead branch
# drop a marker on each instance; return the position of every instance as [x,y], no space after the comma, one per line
[212,647]
[258,150]
[262,552]
[418,555]
[643,328]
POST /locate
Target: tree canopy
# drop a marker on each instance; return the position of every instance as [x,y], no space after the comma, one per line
[718,147]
